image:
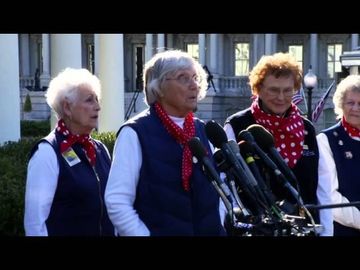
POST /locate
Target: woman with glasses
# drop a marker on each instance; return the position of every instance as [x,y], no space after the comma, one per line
[339,148]
[155,188]
[273,81]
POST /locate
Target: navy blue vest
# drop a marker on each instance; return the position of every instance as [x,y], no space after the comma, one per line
[346,152]
[78,208]
[161,202]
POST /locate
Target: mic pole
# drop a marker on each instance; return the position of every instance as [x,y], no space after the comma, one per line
[335,205]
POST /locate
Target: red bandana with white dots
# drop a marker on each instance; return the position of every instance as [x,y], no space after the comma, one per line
[71,139]
[352,131]
[288,131]
[182,136]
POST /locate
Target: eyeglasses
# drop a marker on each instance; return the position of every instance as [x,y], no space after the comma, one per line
[273,92]
[351,104]
[186,80]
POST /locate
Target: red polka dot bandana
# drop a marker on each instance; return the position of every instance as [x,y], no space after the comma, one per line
[182,136]
[71,139]
[288,131]
[352,131]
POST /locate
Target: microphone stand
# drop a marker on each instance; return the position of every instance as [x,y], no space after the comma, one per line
[335,205]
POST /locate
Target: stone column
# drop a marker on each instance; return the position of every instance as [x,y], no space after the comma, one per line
[10,91]
[111,75]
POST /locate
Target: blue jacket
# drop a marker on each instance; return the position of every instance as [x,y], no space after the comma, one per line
[161,202]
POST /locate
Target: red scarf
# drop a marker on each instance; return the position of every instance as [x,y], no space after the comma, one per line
[182,136]
[71,139]
[288,132]
[350,130]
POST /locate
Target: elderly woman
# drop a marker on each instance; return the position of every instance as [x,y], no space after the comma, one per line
[154,188]
[273,81]
[339,148]
[68,170]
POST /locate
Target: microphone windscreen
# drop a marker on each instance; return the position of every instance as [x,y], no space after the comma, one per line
[245,135]
[197,148]
[263,137]
[215,133]
[245,148]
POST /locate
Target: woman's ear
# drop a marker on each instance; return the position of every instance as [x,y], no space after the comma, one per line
[66,107]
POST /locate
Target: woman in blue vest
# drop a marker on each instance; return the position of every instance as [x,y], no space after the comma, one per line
[273,81]
[68,170]
[339,148]
[154,188]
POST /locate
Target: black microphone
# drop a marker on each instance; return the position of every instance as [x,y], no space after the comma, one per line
[247,136]
[266,141]
[218,138]
[223,190]
[248,154]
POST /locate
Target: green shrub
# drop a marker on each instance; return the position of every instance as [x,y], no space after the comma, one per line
[27,104]
[34,128]
[108,138]
[13,166]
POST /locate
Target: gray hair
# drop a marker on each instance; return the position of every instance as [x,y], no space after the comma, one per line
[350,83]
[169,62]
[66,85]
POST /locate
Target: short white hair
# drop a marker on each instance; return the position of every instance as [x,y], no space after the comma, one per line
[169,62]
[350,83]
[66,86]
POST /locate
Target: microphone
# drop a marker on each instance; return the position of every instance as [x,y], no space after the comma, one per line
[247,136]
[248,154]
[218,138]
[223,190]
[224,167]
[266,141]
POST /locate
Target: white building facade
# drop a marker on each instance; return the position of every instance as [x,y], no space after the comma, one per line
[118,60]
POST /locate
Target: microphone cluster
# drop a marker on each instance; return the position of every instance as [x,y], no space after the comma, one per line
[252,208]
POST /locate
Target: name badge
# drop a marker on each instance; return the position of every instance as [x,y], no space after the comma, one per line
[71,157]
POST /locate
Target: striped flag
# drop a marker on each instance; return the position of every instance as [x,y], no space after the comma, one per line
[320,105]
[298,97]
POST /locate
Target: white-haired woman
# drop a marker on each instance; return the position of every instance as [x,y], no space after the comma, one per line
[339,148]
[68,170]
[154,188]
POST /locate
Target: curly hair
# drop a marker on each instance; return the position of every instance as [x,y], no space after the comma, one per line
[278,65]
[350,83]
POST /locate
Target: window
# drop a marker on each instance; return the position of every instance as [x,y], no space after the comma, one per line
[193,50]
[333,59]
[242,59]
[297,52]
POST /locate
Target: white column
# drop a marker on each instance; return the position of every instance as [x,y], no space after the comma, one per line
[354,41]
[160,42]
[9,85]
[45,75]
[213,53]
[202,49]
[268,44]
[24,55]
[274,43]
[65,52]
[149,47]
[111,75]
[96,54]
[255,49]
[170,41]
[313,53]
